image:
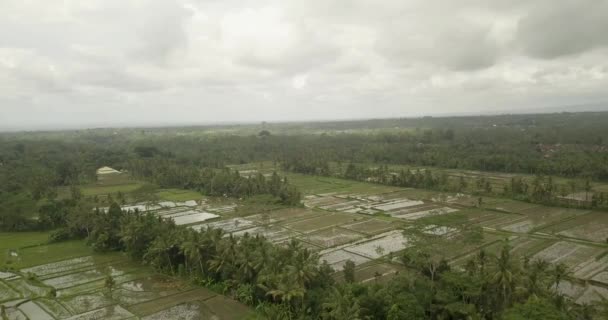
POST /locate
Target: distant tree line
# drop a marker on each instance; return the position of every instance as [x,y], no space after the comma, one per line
[213,182]
[541,189]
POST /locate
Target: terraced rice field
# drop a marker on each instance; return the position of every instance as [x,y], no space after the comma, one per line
[345,220]
[591,227]
[583,260]
[323,221]
[74,289]
[371,226]
[332,236]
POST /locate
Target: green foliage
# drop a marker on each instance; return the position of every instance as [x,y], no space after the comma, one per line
[535,309]
[349,271]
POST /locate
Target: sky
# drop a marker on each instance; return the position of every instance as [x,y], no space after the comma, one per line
[75,63]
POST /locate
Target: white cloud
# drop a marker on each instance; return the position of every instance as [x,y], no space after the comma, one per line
[168,61]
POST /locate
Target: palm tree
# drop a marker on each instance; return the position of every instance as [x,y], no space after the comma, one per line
[584,311]
[304,266]
[159,252]
[340,305]
[559,272]
[223,263]
[504,278]
[191,250]
[482,260]
[287,289]
[536,275]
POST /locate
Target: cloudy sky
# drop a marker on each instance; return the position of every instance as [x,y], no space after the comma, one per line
[80,63]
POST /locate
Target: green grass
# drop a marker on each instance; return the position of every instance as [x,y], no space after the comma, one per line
[97,190]
[315,185]
[17,240]
[33,250]
[178,195]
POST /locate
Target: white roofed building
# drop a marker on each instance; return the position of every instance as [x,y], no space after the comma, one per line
[105,172]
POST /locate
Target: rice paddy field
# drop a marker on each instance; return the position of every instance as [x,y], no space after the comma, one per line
[70,284]
[340,220]
[368,224]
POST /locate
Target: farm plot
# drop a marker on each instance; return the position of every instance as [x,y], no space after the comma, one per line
[34,311]
[455,247]
[337,258]
[539,217]
[141,207]
[86,302]
[213,308]
[375,272]
[67,266]
[189,310]
[371,227]
[343,206]
[553,214]
[225,209]
[291,214]
[230,225]
[273,233]
[316,223]
[333,236]
[191,217]
[571,254]
[381,245]
[409,193]
[36,255]
[512,206]
[7,293]
[82,277]
[224,308]
[411,209]
[602,276]
[483,217]
[323,201]
[97,284]
[593,294]
[28,288]
[171,211]
[170,195]
[147,288]
[157,305]
[61,266]
[437,211]
[570,289]
[114,312]
[8,276]
[79,283]
[398,204]
[523,226]
[529,246]
[592,226]
[502,219]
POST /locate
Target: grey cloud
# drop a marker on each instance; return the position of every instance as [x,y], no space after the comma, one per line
[461,48]
[466,50]
[220,60]
[161,30]
[115,78]
[558,28]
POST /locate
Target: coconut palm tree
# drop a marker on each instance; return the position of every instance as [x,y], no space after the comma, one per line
[159,252]
[224,261]
[341,305]
[287,289]
[190,248]
[304,266]
[504,278]
[559,272]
